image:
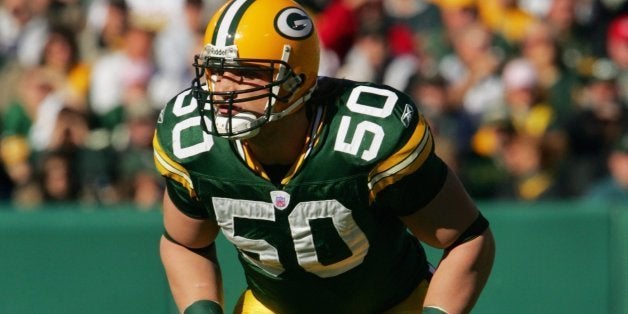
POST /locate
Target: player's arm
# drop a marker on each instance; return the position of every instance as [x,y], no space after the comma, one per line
[452,222]
[189,257]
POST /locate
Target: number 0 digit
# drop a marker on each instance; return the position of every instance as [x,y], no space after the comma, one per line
[357,137]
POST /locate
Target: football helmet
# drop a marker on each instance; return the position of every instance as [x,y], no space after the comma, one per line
[272,36]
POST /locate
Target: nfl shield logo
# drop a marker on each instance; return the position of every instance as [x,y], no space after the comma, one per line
[280,199]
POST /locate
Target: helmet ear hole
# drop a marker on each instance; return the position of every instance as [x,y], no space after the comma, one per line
[302,78]
[299,80]
[293,83]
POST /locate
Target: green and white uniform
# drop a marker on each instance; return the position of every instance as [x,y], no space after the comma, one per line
[327,238]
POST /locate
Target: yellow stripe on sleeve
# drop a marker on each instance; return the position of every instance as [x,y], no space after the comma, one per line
[170,168]
[403,162]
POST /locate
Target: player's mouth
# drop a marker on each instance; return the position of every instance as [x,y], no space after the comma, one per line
[226,109]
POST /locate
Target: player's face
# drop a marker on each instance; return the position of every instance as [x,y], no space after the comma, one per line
[234,81]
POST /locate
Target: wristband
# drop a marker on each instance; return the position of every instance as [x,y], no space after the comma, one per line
[203,307]
[433,310]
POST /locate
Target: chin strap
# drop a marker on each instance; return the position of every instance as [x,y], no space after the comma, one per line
[278,115]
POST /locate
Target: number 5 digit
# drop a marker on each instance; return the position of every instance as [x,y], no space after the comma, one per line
[352,147]
[358,137]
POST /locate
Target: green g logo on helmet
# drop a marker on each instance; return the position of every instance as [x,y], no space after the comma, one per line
[293,23]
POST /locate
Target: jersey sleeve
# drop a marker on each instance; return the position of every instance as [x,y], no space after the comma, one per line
[412,174]
[191,207]
[179,184]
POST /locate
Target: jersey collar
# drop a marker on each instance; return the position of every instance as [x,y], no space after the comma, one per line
[311,142]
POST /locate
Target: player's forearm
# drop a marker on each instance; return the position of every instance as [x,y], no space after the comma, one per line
[462,274]
[192,276]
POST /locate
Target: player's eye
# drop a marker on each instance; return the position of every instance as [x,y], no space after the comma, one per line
[249,74]
[241,73]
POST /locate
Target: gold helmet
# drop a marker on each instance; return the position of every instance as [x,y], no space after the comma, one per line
[276,36]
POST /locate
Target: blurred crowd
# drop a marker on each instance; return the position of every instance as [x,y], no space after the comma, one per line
[528,99]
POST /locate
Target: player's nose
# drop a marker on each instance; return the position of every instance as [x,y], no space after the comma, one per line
[226,84]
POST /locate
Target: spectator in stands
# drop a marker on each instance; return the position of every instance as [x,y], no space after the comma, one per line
[472,71]
[58,180]
[520,125]
[530,177]
[119,83]
[505,18]
[423,18]
[366,59]
[139,182]
[23,30]
[572,32]
[452,126]
[382,55]
[617,49]
[71,130]
[557,81]
[106,25]
[184,31]
[524,106]
[29,132]
[599,123]
[613,188]
[403,59]
[37,101]
[457,15]
[121,77]
[481,169]
[338,38]
[529,113]
[69,14]
[28,124]
[61,57]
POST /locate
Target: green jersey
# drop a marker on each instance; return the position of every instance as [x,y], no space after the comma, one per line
[327,238]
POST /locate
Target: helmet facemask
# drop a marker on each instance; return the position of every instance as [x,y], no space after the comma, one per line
[241,125]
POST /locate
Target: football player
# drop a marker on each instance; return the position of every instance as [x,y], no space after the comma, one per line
[325,186]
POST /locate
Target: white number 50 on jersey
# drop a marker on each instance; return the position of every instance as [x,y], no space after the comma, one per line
[183,108]
[363,127]
[227,209]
